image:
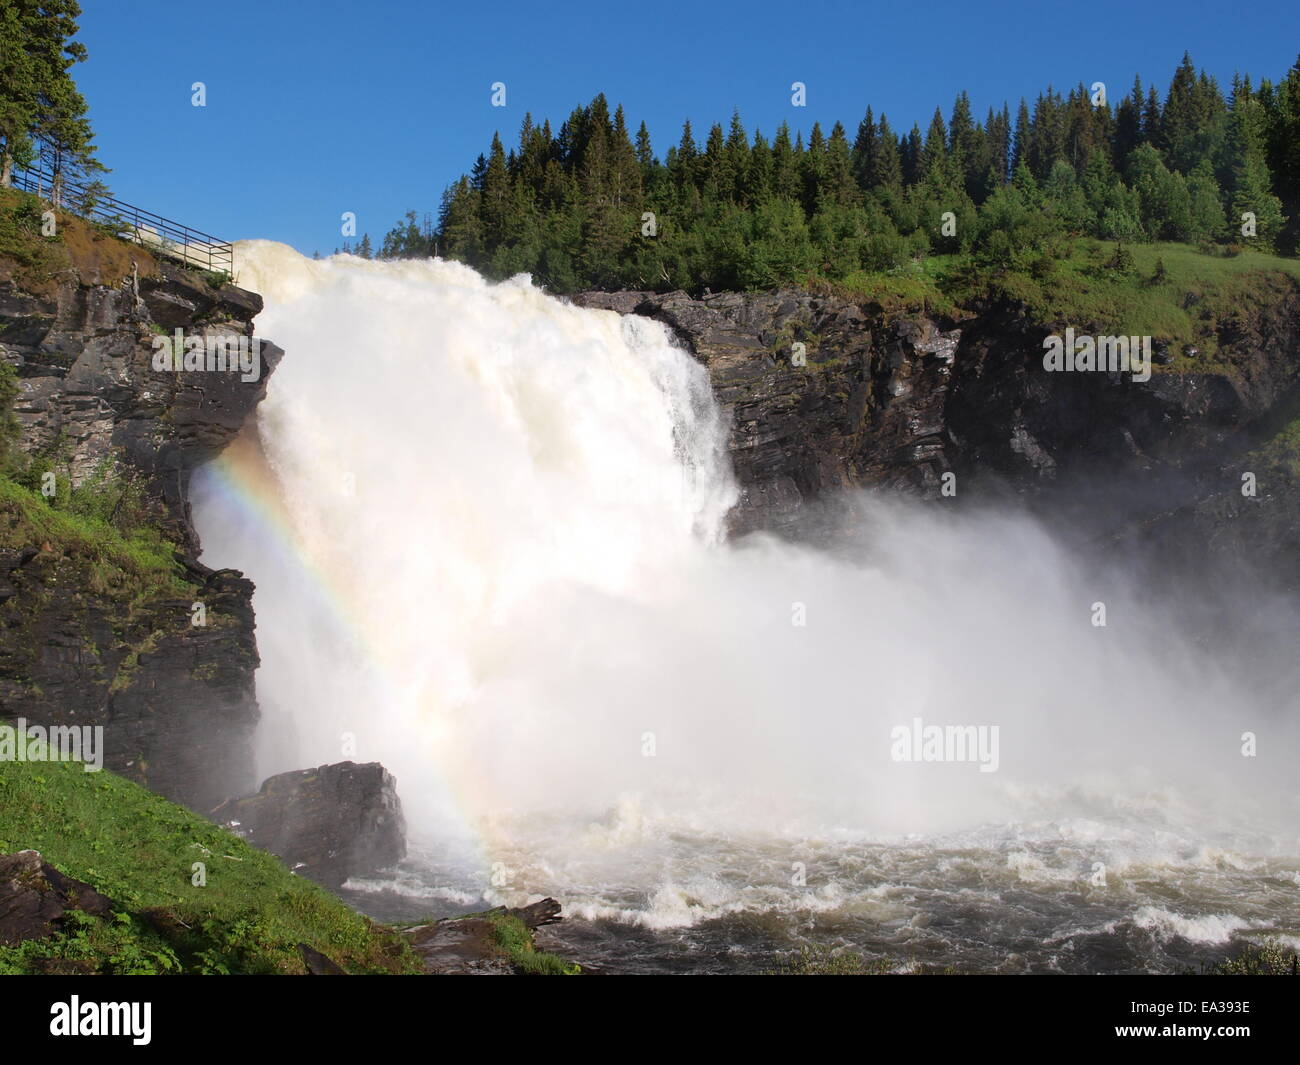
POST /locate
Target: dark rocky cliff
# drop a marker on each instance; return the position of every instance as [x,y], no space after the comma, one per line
[866,409]
[82,640]
[899,402]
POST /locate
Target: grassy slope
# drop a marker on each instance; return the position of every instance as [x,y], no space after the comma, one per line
[138,849]
[1198,292]
[77,247]
[134,563]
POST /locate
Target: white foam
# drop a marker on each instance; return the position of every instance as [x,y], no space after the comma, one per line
[524,610]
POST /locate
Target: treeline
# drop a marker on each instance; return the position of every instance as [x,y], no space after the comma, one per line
[42,113]
[591,205]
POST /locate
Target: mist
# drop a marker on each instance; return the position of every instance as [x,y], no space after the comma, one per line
[497,566]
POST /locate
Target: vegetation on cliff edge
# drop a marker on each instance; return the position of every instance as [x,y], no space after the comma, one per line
[592,205]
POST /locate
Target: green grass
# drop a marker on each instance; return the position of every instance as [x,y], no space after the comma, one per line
[138,563]
[139,850]
[1079,284]
[36,256]
[1282,451]
[1198,293]
[106,522]
[919,287]
[515,941]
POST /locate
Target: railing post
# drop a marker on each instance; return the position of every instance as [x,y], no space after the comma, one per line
[218,255]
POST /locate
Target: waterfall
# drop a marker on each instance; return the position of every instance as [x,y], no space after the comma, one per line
[486,532]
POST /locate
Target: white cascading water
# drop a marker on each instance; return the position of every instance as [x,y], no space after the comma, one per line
[493,562]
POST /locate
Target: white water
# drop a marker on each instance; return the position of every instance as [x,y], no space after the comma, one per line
[505,579]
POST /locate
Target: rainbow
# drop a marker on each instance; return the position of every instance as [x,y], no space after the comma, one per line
[243,483]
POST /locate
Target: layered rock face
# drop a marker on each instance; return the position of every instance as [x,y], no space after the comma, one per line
[84,355]
[859,403]
[900,402]
[175,698]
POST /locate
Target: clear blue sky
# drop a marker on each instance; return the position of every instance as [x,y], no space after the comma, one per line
[316,107]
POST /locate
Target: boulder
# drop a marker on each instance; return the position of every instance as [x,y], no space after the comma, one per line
[329,823]
[467,946]
[34,896]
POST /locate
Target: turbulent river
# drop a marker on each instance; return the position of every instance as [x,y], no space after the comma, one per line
[486,529]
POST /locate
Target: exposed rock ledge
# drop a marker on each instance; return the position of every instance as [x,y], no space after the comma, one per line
[867,408]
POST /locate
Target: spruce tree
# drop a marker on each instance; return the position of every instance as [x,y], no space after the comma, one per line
[39,101]
[1251,190]
[785,168]
[624,167]
[838,185]
[864,150]
[886,164]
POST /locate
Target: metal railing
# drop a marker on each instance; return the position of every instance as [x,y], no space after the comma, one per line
[152,231]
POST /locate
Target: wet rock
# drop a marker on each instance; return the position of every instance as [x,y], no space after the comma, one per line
[466,946]
[317,963]
[820,393]
[895,402]
[34,896]
[329,824]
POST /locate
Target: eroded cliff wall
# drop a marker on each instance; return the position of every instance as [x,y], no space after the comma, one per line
[93,631]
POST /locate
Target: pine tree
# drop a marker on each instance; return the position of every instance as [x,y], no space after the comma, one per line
[1128,124]
[912,157]
[1020,149]
[624,167]
[934,169]
[864,151]
[1151,131]
[1047,134]
[1251,193]
[838,185]
[685,162]
[39,101]
[495,200]
[1283,137]
[737,156]
[758,182]
[965,140]
[644,152]
[998,140]
[785,168]
[17,92]
[814,168]
[886,165]
[1193,121]
[459,230]
[717,181]
[405,240]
